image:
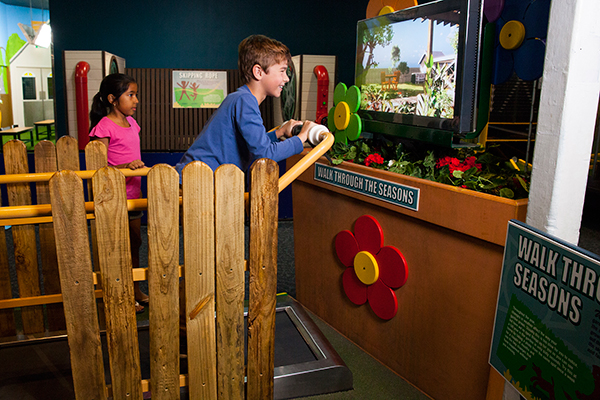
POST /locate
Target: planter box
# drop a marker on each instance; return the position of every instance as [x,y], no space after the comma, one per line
[440,338]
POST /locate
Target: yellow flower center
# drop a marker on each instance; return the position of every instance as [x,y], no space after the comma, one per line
[366,268]
[512,35]
[341,116]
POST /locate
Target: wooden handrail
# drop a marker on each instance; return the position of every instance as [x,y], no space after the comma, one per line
[45,176]
[41,213]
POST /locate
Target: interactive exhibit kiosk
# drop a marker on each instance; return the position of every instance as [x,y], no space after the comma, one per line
[406,268]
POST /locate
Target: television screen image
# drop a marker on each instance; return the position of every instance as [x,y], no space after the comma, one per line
[415,68]
[419,67]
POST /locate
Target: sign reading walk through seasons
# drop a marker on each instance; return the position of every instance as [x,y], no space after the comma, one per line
[546,339]
[392,192]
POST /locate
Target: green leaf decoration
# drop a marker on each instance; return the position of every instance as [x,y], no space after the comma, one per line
[13,45]
[330,120]
[339,93]
[354,127]
[352,98]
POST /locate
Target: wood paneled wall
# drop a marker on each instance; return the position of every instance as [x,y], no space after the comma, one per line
[165,128]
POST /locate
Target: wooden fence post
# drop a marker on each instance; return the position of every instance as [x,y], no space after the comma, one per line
[262,263]
[114,253]
[95,158]
[199,260]
[7,315]
[67,153]
[45,161]
[229,254]
[163,281]
[75,266]
[28,277]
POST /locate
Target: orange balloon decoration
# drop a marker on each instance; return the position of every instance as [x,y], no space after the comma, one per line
[375,6]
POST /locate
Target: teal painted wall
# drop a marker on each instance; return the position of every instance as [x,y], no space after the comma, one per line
[200,34]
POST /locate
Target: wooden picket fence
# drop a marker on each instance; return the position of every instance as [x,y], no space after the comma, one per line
[84,250]
[213,225]
[28,305]
[213,222]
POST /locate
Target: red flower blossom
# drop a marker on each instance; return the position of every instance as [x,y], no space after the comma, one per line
[454,164]
[372,270]
[373,158]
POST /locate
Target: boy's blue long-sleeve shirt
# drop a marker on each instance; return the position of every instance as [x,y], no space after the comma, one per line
[235,134]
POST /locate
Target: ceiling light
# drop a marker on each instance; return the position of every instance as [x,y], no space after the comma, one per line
[43,37]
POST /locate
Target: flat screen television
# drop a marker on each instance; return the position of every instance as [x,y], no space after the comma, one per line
[419,70]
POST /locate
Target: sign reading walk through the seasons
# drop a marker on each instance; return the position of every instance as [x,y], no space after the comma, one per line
[199,89]
[392,192]
[546,339]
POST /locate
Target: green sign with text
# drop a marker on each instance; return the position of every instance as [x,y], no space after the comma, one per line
[392,192]
[546,340]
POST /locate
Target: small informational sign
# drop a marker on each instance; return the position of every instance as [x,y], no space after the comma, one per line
[199,89]
[546,340]
[392,192]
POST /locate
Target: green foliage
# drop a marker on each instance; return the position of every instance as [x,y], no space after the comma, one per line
[371,38]
[439,84]
[403,67]
[395,57]
[468,168]
[376,99]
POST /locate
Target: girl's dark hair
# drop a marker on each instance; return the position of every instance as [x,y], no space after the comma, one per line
[115,84]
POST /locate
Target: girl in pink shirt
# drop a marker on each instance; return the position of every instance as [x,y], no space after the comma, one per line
[112,123]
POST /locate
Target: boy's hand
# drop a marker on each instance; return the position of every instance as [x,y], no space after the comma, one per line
[285,130]
[135,164]
[303,135]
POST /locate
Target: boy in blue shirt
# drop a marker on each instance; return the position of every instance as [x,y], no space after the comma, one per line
[235,133]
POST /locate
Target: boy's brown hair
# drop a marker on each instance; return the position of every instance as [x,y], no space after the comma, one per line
[261,50]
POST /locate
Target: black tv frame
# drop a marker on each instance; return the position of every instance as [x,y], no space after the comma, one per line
[470,114]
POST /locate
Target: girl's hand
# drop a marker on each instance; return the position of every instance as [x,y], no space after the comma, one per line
[286,129]
[135,164]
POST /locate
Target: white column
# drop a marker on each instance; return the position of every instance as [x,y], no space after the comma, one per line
[566,119]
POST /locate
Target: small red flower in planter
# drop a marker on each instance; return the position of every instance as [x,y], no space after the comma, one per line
[373,158]
[454,164]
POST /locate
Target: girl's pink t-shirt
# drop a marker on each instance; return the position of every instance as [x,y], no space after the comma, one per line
[123,148]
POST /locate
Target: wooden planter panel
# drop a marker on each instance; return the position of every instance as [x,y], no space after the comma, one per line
[440,338]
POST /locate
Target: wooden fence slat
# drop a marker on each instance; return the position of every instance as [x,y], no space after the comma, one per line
[19,194]
[262,263]
[7,316]
[199,261]
[163,280]
[67,153]
[114,254]
[229,253]
[45,161]
[75,266]
[95,158]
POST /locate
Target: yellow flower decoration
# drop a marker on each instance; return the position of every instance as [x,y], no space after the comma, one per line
[342,119]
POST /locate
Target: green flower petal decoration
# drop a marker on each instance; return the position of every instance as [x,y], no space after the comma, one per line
[342,119]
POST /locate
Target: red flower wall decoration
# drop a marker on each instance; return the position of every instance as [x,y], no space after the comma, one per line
[373,270]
